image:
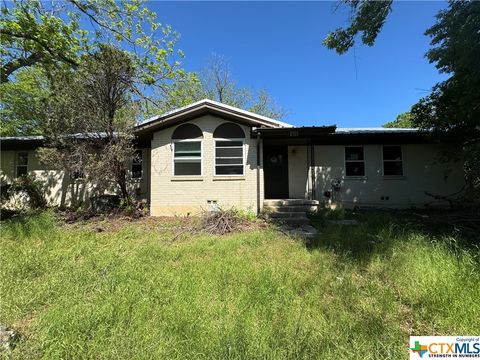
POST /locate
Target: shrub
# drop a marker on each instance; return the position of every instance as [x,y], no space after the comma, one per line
[25,187]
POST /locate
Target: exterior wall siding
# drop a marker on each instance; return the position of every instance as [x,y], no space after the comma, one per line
[180,195]
[59,189]
[171,195]
[422,173]
[298,172]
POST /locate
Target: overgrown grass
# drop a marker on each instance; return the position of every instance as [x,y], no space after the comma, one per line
[357,292]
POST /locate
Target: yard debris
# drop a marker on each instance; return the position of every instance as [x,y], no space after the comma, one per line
[137,210]
[220,222]
[8,338]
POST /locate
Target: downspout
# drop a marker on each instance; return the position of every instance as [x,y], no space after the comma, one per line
[258,174]
[312,160]
[309,189]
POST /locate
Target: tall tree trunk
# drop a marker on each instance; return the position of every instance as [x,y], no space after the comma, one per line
[122,183]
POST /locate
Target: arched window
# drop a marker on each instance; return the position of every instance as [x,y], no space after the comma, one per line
[229,141]
[187,150]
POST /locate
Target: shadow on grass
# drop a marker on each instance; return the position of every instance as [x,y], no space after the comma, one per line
[24,225]
[375,232]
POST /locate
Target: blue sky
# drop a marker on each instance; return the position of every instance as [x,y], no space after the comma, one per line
[278,46]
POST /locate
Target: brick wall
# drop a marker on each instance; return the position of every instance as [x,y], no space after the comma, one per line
[180,195]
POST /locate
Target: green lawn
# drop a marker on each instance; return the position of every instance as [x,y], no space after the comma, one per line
[130,292]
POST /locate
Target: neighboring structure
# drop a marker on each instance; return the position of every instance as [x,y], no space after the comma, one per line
[209,154]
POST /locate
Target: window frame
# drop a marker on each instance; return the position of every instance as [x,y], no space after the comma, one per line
[137,163]
[401,161]
[17,165]
[364,161]
[242,140]
[173,144]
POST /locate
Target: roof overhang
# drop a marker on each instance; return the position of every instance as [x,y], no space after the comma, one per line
[331,135]
[205,107]
[21,142]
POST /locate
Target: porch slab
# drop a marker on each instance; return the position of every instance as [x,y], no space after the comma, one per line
[290,202]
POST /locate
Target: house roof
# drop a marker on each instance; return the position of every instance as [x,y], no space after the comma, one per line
[267,128]
[376,130]
[20,142]
[207,106]
[331,135]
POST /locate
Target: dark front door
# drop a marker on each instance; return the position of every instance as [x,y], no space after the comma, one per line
[275,172]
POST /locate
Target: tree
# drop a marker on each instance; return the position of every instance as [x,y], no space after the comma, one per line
[91,113]
[217,83]
[55,33]
[452,110]
[367,18]
[51,36]
[451,113]
[22,103]
[453,107]
[403,120]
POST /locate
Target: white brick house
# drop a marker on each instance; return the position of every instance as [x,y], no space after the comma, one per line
[209,154]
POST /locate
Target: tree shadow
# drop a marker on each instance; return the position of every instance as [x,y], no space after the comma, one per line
[24,225]
[375,232]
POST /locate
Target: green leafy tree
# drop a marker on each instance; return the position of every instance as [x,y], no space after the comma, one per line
[51,34]
[452,110]
[403,120]
[22,103]
[367,19]
[91,113]
[451,113]
[217,83]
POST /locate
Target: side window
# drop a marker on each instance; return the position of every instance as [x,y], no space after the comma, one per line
[392,161]
[354,161]
[187,150]
[21,167]
[137,169]
[229,141]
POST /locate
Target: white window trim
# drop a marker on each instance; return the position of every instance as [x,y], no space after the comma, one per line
[136,163]
[187,158]
[383,162]
[17,164]
[215,157]
[364,161]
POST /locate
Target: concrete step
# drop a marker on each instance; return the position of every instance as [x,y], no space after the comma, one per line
[291,208]
[287,214]
[290,202]
[305,231]
[293,221]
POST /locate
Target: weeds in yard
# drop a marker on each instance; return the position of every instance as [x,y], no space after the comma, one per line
[357,292]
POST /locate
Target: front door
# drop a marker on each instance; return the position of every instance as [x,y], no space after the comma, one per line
[275,172]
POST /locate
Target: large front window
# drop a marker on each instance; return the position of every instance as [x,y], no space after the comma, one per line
[228,157]
[187,157]
[187,150]
[229,149]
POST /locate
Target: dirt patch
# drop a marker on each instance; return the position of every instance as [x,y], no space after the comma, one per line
[114,222]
